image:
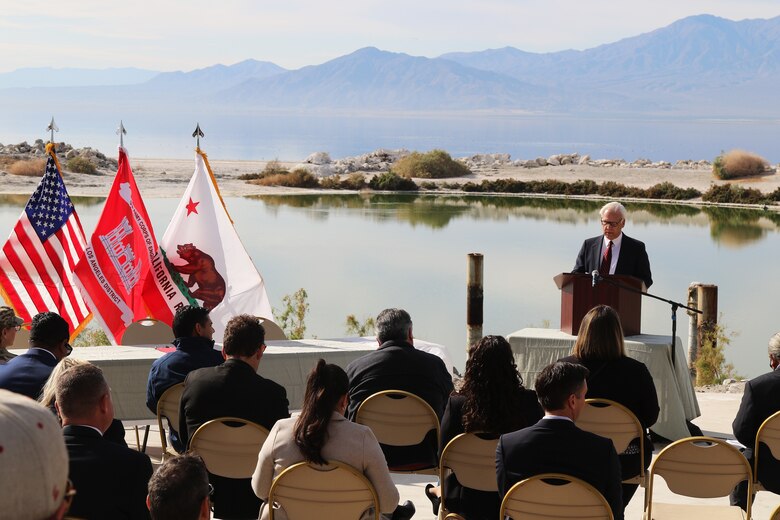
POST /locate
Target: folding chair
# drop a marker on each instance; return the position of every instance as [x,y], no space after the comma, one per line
[769,435]
[168,408]
[554,495]
[147,332]
[335,491]
[229,446]
[699,467]
[472,459]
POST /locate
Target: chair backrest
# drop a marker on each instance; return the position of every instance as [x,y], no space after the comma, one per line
[472,459]
[554,495]
[335,491]
[700,467]
[768,434]
[22,339]
[147,332]
[398,418]
[272,330]
[229,446]
[168,408]
[775,514]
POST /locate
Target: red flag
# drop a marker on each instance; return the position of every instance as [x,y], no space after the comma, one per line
[116,262]
[37,260]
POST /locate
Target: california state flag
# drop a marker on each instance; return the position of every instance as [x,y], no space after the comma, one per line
[205,256]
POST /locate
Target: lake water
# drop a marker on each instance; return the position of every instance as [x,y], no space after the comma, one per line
[357,254]
[252,135]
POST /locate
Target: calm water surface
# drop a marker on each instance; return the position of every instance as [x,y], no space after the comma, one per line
[358,254]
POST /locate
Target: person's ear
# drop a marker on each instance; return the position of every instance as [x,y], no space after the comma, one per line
[148,503]
[205,509]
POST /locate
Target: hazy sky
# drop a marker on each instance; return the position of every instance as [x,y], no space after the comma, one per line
[184,35]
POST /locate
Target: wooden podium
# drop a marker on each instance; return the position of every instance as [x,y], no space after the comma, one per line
[578,296]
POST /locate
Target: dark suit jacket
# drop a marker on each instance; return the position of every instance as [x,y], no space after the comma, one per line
[110,480]
[760,400]
[628,382]
[558,446]
[632,261]
[472,503]
[232,389]
[191,354]
[26,374]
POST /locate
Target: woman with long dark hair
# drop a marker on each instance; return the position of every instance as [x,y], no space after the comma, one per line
[321,434]
[615,376]
[491,400]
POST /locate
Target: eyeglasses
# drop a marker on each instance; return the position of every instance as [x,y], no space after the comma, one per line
[68,349]
[17,328]
[611,223]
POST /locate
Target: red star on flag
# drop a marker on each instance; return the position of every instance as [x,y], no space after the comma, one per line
[192,207]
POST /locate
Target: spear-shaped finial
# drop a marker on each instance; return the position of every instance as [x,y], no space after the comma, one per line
[197,134]
[52,128]
[121,132]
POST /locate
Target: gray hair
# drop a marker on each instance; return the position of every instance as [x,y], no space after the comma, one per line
[393,324]
[614,207]
[774,346]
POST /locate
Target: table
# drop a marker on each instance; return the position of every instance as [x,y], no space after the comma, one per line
[536,348]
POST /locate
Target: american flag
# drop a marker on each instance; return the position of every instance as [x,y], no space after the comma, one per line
[37,261]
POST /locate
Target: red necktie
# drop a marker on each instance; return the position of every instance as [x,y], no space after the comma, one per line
[606,261]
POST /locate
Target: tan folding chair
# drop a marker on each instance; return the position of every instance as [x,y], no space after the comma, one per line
[699,467]
[147,332]
[616,422]
[472,459]
[400,418]
[769,434]
[775,514]
[168,408]
[554,495]
[229,446]
[272,330]
[335,491]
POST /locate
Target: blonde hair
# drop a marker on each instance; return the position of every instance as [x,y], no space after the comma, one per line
[47,396]
[600,336]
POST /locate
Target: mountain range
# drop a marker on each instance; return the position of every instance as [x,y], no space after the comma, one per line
[700,65]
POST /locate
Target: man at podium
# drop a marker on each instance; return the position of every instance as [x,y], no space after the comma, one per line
[614,252]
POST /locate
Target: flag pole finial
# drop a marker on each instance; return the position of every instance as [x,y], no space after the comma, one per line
[52,128]
[121,132]
[197,134]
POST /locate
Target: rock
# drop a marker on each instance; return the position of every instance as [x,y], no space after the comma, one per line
[554,160]
[318,158]
[541,161]
[71,154]
[585,159]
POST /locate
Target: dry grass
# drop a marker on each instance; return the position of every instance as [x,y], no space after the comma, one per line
[738,163]
[28,168]
[299,178]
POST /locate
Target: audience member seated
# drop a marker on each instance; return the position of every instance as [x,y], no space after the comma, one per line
[760,400]
[33,461]
[115,432]
[9,325]
[180,490]
[615,376]
[322,434]
[194,349]
[556,445]
[491,399]
[111,479]
[26,374]
[397,365]
[233,389]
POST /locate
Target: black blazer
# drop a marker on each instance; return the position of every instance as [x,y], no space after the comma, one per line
[110,480]
[760,400]
[26,374]
[558,446]
[632,261]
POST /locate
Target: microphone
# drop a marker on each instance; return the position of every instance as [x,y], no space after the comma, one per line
[596,277]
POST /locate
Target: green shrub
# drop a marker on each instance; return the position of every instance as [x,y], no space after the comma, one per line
[668,191]
[299,178]
[81,165]
[738,163]
[390,181]
[28,168]
[91,337]
[436,164]
[727,193]
[357,328]
[292,317]
[356,181]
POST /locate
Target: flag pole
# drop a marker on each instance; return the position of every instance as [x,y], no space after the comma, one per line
[121,132]
[52,128]
[197,134]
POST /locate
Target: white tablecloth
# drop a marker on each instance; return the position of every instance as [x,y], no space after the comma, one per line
[536,348]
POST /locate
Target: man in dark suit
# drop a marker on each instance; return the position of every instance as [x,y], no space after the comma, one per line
[397,365]
[111,480]
[760,400]
[233,389]
[26,374]
[614,252]
[556,445]
[194,349]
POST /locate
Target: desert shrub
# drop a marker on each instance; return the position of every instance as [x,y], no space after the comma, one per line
[391,181]
[668,191]
[429,185]
[711,365]
[274,167]
[355,327]
[436,164]
[298,178]
[250,176]
[81,165]
[28,168]
[91,337]
[728,193]
[292,317]
[738,163]
[356,181]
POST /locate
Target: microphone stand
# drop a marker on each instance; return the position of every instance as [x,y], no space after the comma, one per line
[675,305]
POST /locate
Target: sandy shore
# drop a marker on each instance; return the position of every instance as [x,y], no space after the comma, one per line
[161,178]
